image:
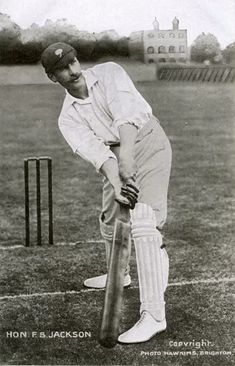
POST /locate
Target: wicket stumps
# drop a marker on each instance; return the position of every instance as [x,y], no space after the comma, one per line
[38,161]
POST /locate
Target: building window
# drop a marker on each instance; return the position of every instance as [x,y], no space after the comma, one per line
[161,49]
[172,35]
[161,35]
[182,49]
[162,60]
[181,35]
[171,49]
[150,49]
[151,35]
[151,61]
[172,59]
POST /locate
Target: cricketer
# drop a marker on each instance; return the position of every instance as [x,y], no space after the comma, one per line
[107,122]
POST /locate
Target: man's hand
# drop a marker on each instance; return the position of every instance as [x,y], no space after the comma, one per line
[128,195]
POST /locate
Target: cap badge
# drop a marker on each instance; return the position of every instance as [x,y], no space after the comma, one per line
[59,52]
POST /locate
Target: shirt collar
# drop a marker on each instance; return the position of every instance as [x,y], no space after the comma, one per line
[91,79]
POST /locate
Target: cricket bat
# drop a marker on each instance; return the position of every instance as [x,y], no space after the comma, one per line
[114,287]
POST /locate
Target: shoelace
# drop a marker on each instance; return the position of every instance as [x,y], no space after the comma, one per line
[143,316]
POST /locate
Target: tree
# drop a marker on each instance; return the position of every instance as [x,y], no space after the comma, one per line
[106,43]
[19,46]
[9,39]
[229,54]
[122,47]
[58,31]
[206,47]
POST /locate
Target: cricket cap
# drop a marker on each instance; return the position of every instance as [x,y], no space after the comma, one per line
[57,55]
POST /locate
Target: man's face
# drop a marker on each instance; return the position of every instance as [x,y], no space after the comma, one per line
[70,76]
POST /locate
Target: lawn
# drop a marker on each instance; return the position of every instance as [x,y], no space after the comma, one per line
[199,120]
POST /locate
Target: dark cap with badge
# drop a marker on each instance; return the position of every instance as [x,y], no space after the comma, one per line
[57,55]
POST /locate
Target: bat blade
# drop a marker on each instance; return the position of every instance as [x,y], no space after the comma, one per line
[114,288]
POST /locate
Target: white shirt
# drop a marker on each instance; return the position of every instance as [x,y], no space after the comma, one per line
[90,125]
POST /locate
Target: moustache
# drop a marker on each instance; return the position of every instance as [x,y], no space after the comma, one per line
[76,77]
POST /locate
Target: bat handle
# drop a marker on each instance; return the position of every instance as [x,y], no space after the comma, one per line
[124,215]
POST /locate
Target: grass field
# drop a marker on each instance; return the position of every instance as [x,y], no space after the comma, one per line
[41,288]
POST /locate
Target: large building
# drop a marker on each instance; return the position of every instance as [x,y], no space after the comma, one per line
[157,45]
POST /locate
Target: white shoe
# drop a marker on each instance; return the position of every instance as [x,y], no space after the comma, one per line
[100,281]
[143,330]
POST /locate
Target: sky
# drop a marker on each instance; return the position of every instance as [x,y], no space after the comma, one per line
[125,16]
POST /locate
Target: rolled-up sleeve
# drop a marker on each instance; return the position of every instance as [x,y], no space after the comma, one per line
[84,142]
[125,103]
